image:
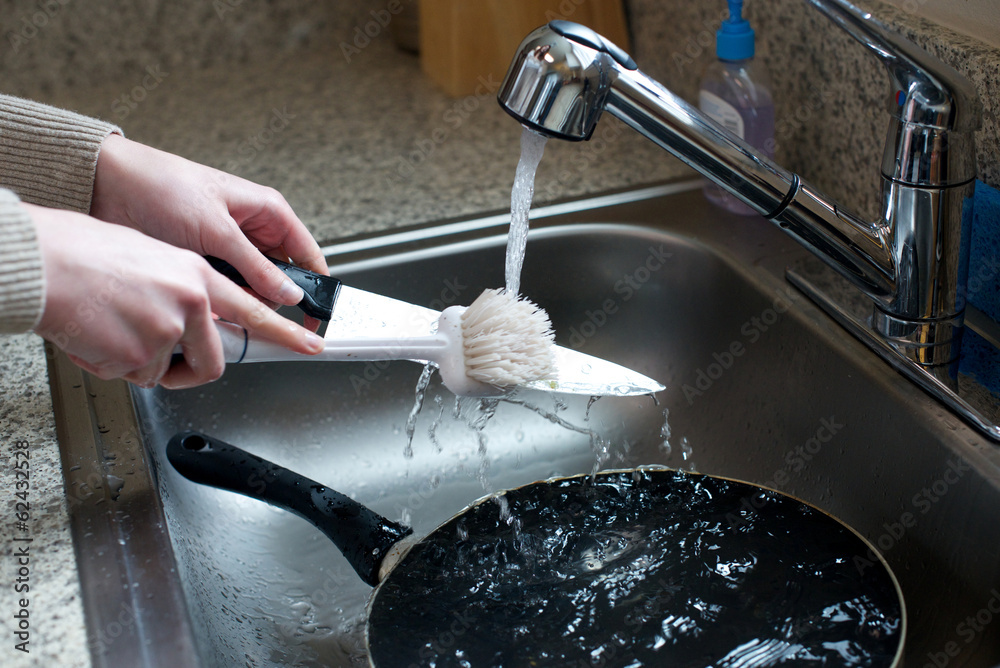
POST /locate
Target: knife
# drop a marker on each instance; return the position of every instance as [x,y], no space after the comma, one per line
[355,314]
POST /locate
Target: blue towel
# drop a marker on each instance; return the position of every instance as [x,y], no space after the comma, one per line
[984,251]
[980,359]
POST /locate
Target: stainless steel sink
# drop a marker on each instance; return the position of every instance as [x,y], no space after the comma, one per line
[761,386]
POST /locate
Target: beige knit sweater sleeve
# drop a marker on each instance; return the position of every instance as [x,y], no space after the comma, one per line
[47,156]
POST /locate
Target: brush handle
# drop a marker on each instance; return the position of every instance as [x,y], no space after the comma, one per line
[445,349]
[238,347]
[362,535]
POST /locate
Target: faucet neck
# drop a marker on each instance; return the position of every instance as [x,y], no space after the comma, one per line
[912,261]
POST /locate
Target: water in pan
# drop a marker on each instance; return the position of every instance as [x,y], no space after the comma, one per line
[639,569]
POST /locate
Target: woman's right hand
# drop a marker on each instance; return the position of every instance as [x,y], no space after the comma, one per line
[119,303]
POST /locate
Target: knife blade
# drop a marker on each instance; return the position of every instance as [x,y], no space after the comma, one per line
[355,314]
[359,314]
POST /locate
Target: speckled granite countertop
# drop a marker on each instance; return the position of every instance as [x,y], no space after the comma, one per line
[355,150]
[365,146]
[42,545]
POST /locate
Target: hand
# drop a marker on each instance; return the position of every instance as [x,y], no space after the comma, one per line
[206,211]
[119,302]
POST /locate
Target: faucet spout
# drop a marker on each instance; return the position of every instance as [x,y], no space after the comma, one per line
[855,248]
[912,261]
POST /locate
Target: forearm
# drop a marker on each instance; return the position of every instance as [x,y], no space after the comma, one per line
[48,156]
[53,259]
[21,286]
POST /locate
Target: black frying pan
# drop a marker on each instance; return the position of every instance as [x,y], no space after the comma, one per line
[647,567]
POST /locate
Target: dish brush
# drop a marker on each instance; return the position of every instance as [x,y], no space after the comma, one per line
[496,343]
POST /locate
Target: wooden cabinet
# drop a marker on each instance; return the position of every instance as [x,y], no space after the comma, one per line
[466,45]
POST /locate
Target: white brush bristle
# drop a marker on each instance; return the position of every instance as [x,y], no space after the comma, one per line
[507,340]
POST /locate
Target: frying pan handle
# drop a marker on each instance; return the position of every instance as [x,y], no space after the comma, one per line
[362,535]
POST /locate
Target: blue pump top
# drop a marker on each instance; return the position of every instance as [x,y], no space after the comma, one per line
[734,40]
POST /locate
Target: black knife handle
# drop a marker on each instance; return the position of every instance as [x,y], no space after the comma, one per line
[319,291]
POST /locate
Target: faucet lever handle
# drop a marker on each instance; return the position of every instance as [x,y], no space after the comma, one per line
[936,108]
[927,91]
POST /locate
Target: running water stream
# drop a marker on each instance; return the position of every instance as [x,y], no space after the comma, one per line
[522,193]
[532,148]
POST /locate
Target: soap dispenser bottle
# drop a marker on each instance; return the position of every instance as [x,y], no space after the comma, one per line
[736,93]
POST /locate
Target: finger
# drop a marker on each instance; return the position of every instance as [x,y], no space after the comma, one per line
[316,263]
[105,370]
[309,322]
[149,375]
[306,253]
[202,353]
[260,273]
[301,250]
[235,305]
[273,305]
[270,222]
[181,375]
[85,365]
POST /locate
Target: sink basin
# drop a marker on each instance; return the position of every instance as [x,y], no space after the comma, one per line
[761,386]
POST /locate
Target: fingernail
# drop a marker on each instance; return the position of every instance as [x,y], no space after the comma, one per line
[290,293]
[315,341]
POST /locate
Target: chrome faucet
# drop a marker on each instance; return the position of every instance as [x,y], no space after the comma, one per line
[912,262]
